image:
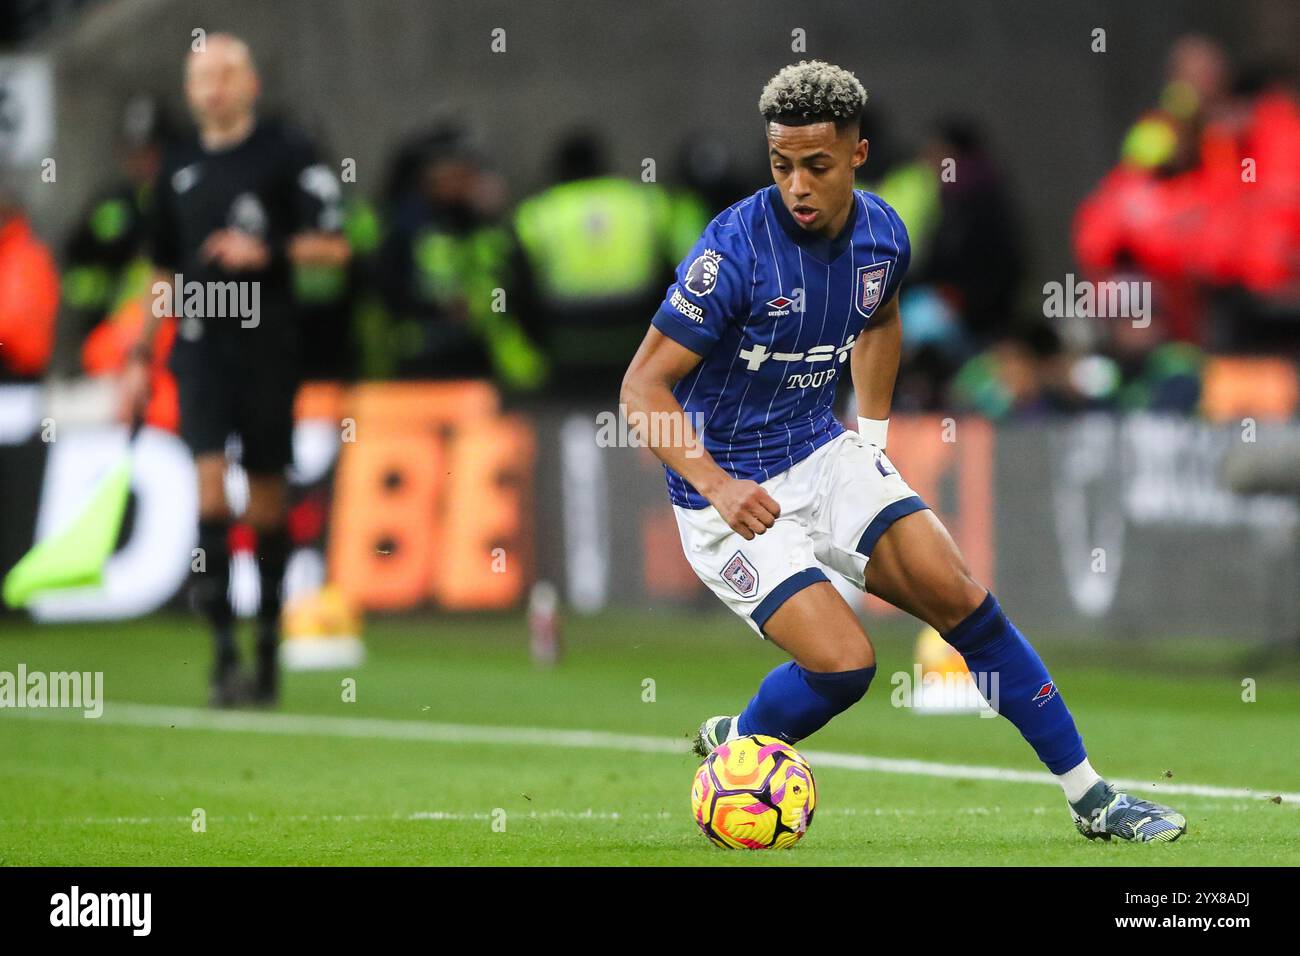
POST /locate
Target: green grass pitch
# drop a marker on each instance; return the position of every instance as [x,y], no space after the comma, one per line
[336,782]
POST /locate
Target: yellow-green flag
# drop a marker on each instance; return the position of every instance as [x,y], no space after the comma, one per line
[75,556]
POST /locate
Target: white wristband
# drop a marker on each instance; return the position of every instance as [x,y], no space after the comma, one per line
[873,430]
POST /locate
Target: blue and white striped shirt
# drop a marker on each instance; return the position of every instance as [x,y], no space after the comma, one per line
[774,312]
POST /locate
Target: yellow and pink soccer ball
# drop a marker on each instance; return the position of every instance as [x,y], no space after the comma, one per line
[754,793]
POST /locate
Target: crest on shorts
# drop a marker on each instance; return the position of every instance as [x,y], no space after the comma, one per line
[884,465]
[870,286]
[741,575]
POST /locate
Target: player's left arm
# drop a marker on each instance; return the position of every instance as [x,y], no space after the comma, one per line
[874,366]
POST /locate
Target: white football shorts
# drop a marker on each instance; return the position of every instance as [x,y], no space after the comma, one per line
[835,505]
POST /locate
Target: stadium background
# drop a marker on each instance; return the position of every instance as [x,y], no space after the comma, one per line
[650,76]
[1030,488]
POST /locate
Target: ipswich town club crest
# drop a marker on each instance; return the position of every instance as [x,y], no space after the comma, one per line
[870,287]
[741,575]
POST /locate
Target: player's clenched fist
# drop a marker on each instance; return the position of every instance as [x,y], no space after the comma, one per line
[746,506]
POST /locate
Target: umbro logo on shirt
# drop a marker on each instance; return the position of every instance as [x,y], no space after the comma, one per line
[784,305]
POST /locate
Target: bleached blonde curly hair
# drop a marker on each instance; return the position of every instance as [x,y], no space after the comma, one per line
[813,91]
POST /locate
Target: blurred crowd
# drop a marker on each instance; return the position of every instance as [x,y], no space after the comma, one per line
[1202,210]
[549,294]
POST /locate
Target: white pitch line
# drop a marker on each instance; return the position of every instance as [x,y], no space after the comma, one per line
[375,728]
[461,816]
[573,816]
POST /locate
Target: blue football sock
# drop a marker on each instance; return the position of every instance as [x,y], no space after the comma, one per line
[1013,678]
[792,703]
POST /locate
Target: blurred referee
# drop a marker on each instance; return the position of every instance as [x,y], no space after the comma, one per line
[233,210]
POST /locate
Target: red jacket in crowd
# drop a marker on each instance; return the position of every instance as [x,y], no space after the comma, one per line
[29,301]
[1233,220]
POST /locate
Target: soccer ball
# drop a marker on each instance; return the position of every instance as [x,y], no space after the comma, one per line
[754,793]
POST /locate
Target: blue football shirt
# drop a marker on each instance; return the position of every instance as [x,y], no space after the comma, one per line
[774,311]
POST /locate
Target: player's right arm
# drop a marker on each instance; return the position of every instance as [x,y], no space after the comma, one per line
[712,289]
[713,286]
[647,395]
